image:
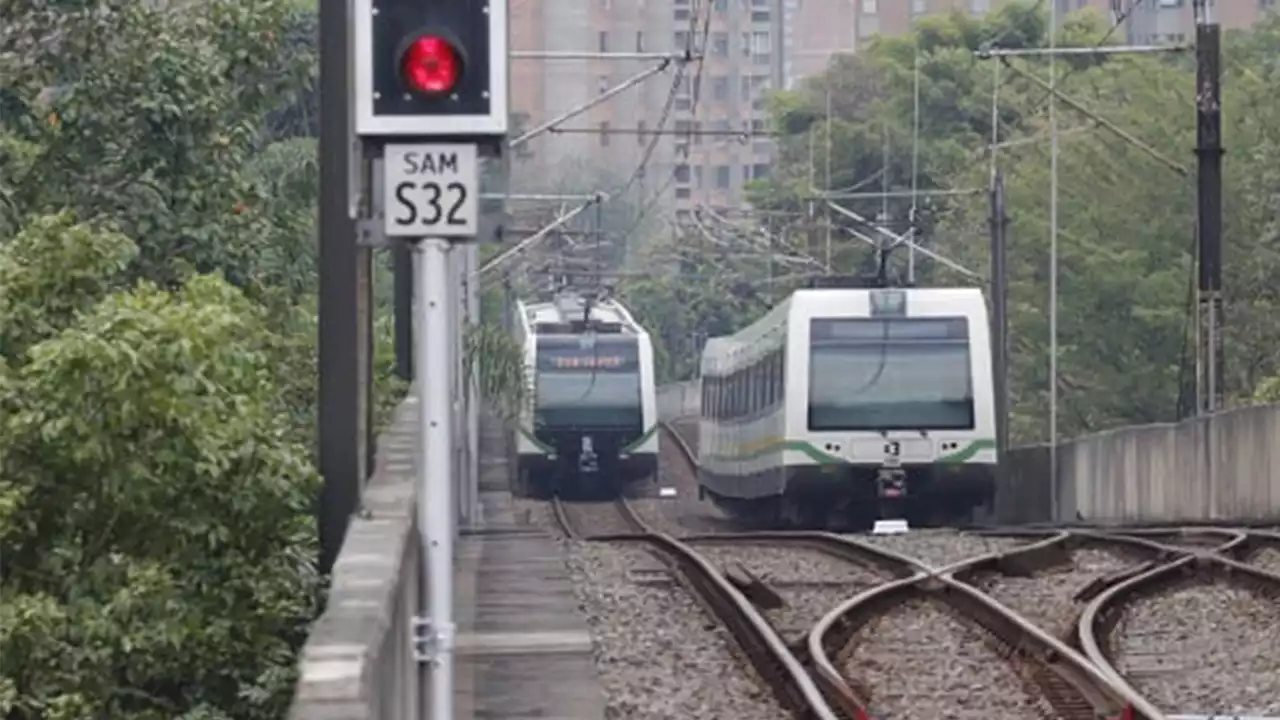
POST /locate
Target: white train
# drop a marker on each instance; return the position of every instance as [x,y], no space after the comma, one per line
[592,428]
[840,401]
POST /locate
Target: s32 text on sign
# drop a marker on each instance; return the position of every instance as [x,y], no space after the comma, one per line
[431,190]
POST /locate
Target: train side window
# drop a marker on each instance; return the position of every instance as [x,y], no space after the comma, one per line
[744,388]
[766,380]
[744,392]
[717,401]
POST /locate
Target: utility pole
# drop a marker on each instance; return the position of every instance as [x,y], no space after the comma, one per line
[1000,314]
[1209,197]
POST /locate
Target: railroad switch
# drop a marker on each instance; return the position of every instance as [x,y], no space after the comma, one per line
[755,589]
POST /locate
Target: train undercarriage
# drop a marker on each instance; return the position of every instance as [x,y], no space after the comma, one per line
[852,498]
[586,466]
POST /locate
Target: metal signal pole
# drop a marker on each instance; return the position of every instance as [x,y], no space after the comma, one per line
[1209,154]
[999,313]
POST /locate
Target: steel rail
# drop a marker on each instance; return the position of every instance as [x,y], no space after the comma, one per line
[769,655]
[1100,615]
[1030,641]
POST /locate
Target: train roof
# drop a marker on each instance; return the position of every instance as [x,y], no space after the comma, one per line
[813,302]
[564,315]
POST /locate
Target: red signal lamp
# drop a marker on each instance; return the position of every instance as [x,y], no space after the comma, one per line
[431,65]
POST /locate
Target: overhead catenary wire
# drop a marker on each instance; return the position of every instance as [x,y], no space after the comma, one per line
[696,39]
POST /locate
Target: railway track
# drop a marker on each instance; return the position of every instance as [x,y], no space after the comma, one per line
[931,644]
[1196,633]
[791,686]
[1060,626]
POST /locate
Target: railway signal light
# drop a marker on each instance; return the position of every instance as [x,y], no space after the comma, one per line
[431,66]
[430,69]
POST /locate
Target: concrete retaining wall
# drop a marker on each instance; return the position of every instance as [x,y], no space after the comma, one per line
[1222,468]
[1148,473]
[358,662]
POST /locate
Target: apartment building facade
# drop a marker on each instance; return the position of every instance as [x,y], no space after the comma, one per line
[1155,22]
[713,150]
[715,133]
[599,148]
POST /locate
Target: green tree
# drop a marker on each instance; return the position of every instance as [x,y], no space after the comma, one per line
[154,516]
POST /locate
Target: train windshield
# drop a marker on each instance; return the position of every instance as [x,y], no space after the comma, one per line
[586,383]
[890,374]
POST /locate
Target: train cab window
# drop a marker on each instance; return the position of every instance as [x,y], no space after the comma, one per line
[588,386]
[890,374]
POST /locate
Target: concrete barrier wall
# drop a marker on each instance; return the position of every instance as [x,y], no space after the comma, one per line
[1224,468]
[682,399]
[358,662]
[1147,473]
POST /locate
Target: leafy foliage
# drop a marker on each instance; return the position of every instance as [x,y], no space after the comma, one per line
[157,358]
[158,515]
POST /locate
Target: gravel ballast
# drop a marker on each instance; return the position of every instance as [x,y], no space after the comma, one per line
[940,547]
[1205,649]
[1047,597]
[920,662]
[811,582]
[658,654]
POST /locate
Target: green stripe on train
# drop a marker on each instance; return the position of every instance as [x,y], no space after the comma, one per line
[964,454]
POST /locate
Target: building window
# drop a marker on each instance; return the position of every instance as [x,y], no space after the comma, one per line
[681,39]
[680,15]
[760,43]
[604,41]
[720,44]
[760,171]
[697,176]
[760,16]
[697,133]
[720,87]
[682,193]
[870,7]
[722,176]
[639,41]
[746,44]
[746,173]
[682,174]
[604,134]
[721,5]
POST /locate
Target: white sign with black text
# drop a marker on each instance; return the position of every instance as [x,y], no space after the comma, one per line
[431,190]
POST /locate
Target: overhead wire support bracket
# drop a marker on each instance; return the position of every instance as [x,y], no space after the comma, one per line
[574,55]
[899,240]
[986,53]
[877,195]
[1109,125]
[604,96]
[524,197]
[534,238]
